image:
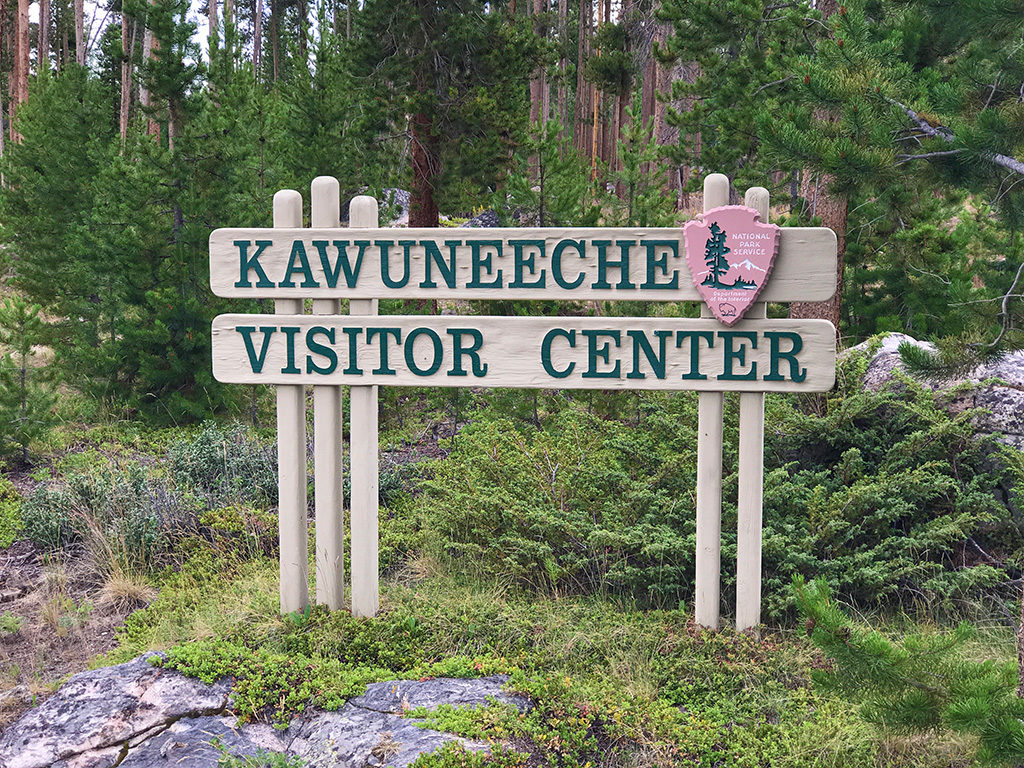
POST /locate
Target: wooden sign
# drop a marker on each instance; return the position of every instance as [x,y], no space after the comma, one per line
[725,260]
[730,254]
[526,352]
[551,263]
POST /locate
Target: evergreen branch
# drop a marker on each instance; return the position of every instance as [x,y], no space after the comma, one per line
[947,135]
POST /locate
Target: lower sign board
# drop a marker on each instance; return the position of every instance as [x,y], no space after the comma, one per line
[776,355]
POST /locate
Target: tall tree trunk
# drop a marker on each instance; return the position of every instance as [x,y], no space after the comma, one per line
[229,19]
[257,38]
[43,46]
[581,110]
[537,81]
[563,86]
[80,32]
[275,11]
[149,44]
[833,210]
[303,23]
[19,71]
[422,206]
[211,20]
[128,49]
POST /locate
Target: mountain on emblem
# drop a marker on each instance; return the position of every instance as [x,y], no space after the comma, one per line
[730,253]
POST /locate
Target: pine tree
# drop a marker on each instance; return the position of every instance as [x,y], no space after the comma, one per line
[27,395]
[643,201]
[923,683]
[455,75]
[548,184]
[714,257]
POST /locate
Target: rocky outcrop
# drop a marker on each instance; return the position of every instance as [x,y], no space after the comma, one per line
[137,715]
[997,388]
[485,219]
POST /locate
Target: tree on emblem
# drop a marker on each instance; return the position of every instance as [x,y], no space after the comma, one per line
[714,257]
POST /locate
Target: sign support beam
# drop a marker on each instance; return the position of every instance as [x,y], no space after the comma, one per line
[751,476]
[291,450]
[325,204]
[709,467]
[363,447]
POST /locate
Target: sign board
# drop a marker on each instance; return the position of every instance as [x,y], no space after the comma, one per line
[526,352]
[551,263]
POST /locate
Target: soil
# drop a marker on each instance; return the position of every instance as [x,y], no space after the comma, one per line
[62,625]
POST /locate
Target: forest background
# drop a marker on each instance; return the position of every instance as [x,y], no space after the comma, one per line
[548,535]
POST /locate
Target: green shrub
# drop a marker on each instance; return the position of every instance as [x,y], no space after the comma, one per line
[226,464]
[9,623]
[48,515]
[11,522]
[885,495]
[120,512]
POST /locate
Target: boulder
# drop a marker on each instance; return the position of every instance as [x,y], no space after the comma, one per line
[104,708]
[485,219]
[996,387]
[137,715]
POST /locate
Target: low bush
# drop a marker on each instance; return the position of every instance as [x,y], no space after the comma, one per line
[886,495]
[225,464]
[11,522]
[122,513]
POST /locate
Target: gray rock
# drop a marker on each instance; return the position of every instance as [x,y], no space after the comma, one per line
[398,696]
[1002,401]
[354,737]
[485,219]
[886,359]
[394,205]
[103,708]
[193,743]
[136,715]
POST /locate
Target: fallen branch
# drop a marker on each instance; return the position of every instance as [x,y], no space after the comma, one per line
[946,134]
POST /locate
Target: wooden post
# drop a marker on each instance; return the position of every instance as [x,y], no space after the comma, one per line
[327,437]
[291,449]
[363,213]
[751,476]
[709,468]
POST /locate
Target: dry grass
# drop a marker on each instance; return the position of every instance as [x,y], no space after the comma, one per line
[124,591]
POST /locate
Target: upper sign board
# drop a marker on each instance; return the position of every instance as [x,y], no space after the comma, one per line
[646,264]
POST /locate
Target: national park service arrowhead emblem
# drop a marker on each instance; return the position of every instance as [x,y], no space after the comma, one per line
[730,254]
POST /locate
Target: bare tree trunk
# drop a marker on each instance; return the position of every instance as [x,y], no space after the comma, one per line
[303,23]
[832,209]
[422,206]
[211,19]
[229,16]
[128,49]
[275,11]
[563,86]
[580,108]
[257,38]
[537,81]
[149,44]
[80,32]
[19,71]
[43,46]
